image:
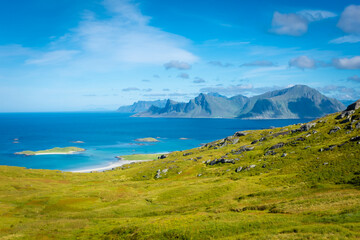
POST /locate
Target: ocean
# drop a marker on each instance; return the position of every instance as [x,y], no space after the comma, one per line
[107,135]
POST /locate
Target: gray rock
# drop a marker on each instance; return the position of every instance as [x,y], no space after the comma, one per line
[238,169]
[270,153]
[354,106]
[179,172]
[278,145]
[187,154]
[255,141]
[162,156]
[240,134]
[355,139]
[348,127]
[243,149]
[307,126]
[221,160]
[345,121]
[252,166]
[346,113]
[199,175]
[334,130]
[357,126]
[325,163]
[284,155]
[158,174]
[264,166]
[165,170]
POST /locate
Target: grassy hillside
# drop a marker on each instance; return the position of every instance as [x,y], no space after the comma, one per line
[265,184]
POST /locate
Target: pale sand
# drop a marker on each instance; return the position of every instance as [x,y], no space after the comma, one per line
[109,167]
[55,153]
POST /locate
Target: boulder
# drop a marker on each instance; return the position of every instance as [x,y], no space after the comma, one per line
[162,156]
[187,154]
[243,149]
[354,106]
[355,139]
[304,127]
[238,169]
[221,160]
[270,153]
[278,145]
[284,155]
[334,130]
[240,134]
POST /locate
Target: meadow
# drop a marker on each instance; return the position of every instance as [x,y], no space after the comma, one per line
[295,182]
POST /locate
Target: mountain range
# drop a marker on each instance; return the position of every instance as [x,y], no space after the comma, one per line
[141,106]
[299,101]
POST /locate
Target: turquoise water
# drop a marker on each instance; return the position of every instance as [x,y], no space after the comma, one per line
[107,135]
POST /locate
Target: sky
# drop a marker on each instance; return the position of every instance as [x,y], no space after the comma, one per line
[84,55]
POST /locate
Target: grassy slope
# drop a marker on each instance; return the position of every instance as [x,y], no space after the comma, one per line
[53,151]
[292,197]
[140,157]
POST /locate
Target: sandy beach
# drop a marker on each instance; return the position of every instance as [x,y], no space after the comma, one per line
[108,167]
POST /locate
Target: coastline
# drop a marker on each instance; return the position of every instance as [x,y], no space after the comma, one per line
[108,167]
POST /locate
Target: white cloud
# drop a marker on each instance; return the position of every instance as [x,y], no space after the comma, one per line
[296,24]
[350,19]
[289,24]
[302,62]
[198,80]
[316,15]
[260,63]
[220,64]
[130,89]
[347,63]
[177,65]
[183,75]
[53,57]
[124,38]
[346,39]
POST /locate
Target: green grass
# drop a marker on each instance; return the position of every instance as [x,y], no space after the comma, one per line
[55,150]
[140,157]
[306,195]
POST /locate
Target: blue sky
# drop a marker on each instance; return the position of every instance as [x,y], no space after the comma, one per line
[74,55]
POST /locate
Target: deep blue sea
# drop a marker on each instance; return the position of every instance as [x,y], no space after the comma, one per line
[106,135]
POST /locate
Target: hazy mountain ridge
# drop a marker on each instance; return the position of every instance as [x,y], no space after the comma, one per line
[299,101]
[141,106]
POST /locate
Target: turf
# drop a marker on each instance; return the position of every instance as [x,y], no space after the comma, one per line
[308,194]
[140,157]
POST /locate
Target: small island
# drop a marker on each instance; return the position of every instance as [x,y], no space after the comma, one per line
[148,139]
[56,150]
[134,157]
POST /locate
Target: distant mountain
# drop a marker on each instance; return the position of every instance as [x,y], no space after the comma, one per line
[141,106]
[299,101]
[203,106]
